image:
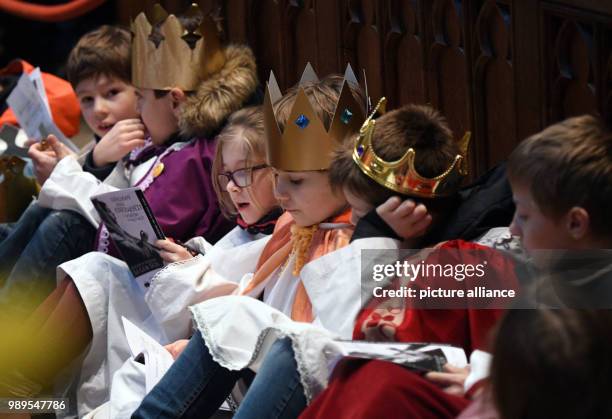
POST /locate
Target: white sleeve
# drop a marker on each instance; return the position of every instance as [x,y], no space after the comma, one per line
[70,188]
[480,363]
[333,283]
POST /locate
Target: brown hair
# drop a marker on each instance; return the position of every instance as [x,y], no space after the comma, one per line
[323,93]
[550,363]
[246,126]
[103,51]
[568,164]
[412,126]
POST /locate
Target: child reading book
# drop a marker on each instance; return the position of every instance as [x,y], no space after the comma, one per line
[302,130]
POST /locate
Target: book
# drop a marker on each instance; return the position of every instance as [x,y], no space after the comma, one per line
[30,105]
[133,229]
[420,357]
[156,359]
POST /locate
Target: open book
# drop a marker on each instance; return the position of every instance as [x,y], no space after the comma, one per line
[29,103]
[422,357]
[157,360]
[132,228]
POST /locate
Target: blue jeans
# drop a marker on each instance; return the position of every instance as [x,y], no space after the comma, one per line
[35,245]
[196,386]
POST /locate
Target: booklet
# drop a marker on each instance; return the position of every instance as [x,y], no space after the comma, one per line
[421,357]
[29,103]
[132,228]
[156,358]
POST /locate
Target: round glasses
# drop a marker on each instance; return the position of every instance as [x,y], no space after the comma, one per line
[241,177]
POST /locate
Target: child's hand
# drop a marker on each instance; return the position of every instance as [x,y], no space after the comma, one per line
[172,252]
[407,219]
[452,380]
[176,348]
[45,155]
[125,136]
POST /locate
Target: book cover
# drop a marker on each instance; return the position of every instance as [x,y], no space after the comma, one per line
[421,357]
[132,228]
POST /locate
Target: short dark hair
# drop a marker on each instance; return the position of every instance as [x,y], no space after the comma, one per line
[568,164]
[103,51]
[412,126]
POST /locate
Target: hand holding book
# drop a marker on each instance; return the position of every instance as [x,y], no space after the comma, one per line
[173,251]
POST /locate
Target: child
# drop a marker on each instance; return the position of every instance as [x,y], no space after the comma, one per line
[560,179]
[109,296]
[312,120]
[418,142]
[179,125]
[99,70]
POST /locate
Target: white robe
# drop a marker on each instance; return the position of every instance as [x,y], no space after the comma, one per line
[238,325]
[109,292]
[69,187]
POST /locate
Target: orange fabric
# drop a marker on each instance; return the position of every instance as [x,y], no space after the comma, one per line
[281,246]
[63,101]
[49,13]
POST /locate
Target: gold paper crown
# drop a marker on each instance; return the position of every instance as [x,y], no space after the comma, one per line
[305,144]
[401,175]
[181,58]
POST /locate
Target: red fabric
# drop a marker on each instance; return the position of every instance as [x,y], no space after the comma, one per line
[463,327]
[377,389]
[63,101]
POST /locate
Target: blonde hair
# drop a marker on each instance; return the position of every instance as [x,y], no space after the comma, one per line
[244,126]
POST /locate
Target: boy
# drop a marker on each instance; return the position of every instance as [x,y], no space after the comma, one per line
[561,181]
[181,109]
[99,70]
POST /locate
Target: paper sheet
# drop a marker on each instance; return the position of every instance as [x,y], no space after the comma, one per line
[32,111]
[157,359]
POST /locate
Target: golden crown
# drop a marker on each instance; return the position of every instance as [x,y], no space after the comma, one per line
[182,57]
[305,143]
[401,176]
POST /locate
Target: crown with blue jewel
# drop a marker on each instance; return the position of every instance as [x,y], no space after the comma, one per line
[306,143]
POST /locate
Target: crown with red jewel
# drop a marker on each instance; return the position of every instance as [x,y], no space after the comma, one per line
[306,143]
[400,175]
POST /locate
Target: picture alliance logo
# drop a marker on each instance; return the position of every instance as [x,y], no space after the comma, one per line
[422,270]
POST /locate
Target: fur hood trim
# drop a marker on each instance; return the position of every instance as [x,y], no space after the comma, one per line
[220,95]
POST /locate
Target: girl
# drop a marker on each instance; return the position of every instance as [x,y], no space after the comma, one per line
[244,186]
[231,338]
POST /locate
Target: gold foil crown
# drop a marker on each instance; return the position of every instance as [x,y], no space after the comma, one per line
[182,57]
[401,176]
[305,143]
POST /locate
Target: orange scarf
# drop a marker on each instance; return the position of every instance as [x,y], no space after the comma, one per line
[308,244]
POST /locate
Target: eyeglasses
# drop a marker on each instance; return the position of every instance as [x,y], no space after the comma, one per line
[241,177]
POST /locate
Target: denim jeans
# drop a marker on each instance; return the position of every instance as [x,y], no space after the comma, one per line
[276,391]
[196,386]
[5,230]
[41,240]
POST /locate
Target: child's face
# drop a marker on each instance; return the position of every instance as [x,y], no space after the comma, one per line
[536,230]
[256,200]
[307,196]
[158,115]
[105,101]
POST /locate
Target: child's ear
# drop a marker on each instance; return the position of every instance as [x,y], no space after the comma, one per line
[578,223]
[178,96]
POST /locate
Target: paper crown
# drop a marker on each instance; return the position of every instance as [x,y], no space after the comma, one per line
[305,144]
[182,57]
[401,176]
